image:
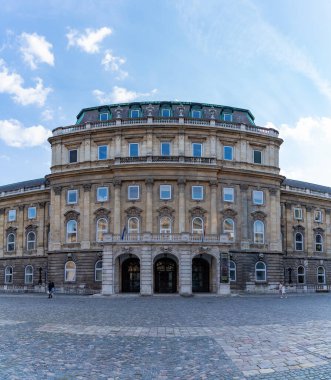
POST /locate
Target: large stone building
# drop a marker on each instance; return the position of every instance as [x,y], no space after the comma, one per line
[164,197]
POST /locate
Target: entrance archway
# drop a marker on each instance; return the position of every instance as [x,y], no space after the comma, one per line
[165,276]
[200,275]
[131,275]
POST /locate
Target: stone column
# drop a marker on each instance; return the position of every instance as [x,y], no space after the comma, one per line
[118,146]
[213,207]
[107,270]
[55,218]
[146,271]
[149,204]
[244,217]
[41,230]
[327,238]
[117,205]
[86,217]
[274,221]
[181,144]
[149,143]
[185,272]
[20,243]
[308,236]
[2,231]
[181,204]
[213,146]
[289,246]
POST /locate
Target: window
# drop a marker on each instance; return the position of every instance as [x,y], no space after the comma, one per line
[165,191]
[72,196]
[197,193]
[197,226]
[32,212]
[104,116]
[196,114]
[318,216]
[228,194]
[318,243]
[98,271]
[228,153]
[102,194]
[165,148]
[31,241]
[133,225]
[73,156]
[102,228]
[133,192]
[301,275]
[298,213]
[258,197]
[165,225]
[257,157]
[11,242]
[227,116]
[102,152]
[71,231]
[228,228]
[28,277]
[232,271]
[258,232]
[9,275]
[11,215]
[320,275]
[133,149]
[134,114]
[298,241]
[260,271]
[70,271]
[165,112]
[196,149]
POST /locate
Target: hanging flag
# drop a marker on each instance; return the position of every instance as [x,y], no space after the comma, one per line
[203,233]
[123,233]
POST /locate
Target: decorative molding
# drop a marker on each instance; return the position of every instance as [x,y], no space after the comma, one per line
[102,213]
[31,227]
[181,181]
[118,112]
[133,211]
[21,207]
[229,213]
[71,215]
[57,190]
[319,230]
[166,211]
[258,215]
[127,250]
[273,191]
[309,208]
[243,187]
[180,110]
[298,228]
[213,183]
[166,250]
[212,113]
[117,182]
[150,110]
[42,204]
[87,187]
[288,206]
[197,212]
[149,181]
[2,211]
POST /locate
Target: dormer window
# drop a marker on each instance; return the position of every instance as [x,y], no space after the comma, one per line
[166,112]
[196,114]
[227,116]
[104,116]
[135,113]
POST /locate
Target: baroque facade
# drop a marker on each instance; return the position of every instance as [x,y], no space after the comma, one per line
[164,197]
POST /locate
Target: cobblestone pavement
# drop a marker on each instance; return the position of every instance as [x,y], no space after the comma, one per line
[167,337]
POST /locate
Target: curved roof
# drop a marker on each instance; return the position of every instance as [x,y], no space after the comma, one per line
[23,185]
[307,185]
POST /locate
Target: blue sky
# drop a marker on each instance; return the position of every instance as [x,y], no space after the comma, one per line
[272,57]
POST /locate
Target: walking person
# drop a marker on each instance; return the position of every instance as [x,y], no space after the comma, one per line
[51,287]
[280,290]
[284,292]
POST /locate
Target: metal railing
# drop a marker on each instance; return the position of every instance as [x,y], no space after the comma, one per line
[181,237]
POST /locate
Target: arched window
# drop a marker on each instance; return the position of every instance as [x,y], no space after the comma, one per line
[70,271]
[98,271]
[320,275]
[31,241]
[8,275]
[28,277]
[165,225]
[228,228]
[102,228]
[301,275]
[71,231]
[318,243]
[298,241]
[260,271]
[133,225]
[233,271]
[258,232]
[197,226]
[11,242]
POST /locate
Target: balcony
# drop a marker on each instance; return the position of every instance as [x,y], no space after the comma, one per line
[165,159]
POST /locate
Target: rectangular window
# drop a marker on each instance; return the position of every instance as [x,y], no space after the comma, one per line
[134,114]
[197,193]
[165,112]
[298,213]
[318,216]
[228,153]
[32,212]
[72,196]
[228,194]
[11,215]
[133,149]
[102,152]
[197,149]
[165,191]
[73,156]
[165,148]
[196,114]
[104,116]
[102,194]
[227,116]
[258,197]
[257,157]
[133,192]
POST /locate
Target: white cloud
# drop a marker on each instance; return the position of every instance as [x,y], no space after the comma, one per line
[121,95]
[12,83]
[113,63]
[14,134]
[36,49]
[90,40]
[47,114]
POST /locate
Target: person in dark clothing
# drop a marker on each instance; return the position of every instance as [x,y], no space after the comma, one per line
[51,287]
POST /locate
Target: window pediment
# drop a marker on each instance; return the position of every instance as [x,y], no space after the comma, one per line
[318,230]
[133,211]
[166,211]
[298,228]
[71,215]
[258,215]
[102,213]
[197,212]
[229,213]
[31,227]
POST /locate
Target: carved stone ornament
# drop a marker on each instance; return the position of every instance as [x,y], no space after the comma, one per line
[181,111]
[258,215]
[127,250]
[165,250]
[87,187]
[150,110]
[181,181]
[149,181]
[21,207]
[273,191]
[133,211]
[213,183]
[11,230]
[243,187]
[2,211]
[117,182]
[57,190]
[309,208]
[318,230]
[197,212]
[203,250]
[288,206]
[41,204]
[118,112]
[31,227]
[166,211]
[229,213]
[71,215]
[298,228]
[212,113]
[101,213]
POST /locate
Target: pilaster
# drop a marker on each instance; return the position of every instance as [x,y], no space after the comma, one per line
[244,217]
[117,205]
[181,204]
[85,240]
[149,204]
[146,271]
[107,271]
[213,207]
[185,273]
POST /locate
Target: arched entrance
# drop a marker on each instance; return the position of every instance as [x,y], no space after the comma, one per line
[165,276]
[131,275]
[200,275]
